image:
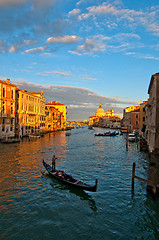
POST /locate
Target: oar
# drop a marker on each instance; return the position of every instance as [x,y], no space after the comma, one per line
[43,171]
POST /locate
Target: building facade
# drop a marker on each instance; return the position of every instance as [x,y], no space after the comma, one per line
[7,109]
[131,117]
[30,112]
[61,114]
[142,124]
[152,115]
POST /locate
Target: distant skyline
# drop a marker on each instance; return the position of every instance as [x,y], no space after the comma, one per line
[81,53]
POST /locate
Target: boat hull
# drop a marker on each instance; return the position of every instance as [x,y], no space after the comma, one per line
[71,182]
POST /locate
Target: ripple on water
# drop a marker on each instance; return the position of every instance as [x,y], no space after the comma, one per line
[33,206]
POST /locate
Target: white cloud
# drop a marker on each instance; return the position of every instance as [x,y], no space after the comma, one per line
[13,49]
[74,12]
[91,46]
[89,78]
[35,50]
[65,39]
[61,73]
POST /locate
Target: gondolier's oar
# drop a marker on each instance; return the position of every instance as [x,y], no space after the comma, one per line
[43,172]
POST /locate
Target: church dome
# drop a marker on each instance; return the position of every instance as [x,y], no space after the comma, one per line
[100,111]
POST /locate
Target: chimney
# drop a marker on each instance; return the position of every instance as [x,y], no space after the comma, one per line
[8,80]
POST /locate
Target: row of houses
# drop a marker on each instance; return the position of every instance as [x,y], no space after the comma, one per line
[145,118]
[23,113]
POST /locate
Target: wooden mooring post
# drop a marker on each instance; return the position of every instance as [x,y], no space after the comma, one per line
[141,179]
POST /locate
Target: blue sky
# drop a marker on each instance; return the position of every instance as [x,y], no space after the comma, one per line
[81,53]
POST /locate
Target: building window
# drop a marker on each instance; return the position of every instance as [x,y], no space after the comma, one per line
[2,129]
[11,110]
[136,123]
[12,94]
[3,121]
[143,119]
[3,92]
[136,115]
[11,129]
[12,121]
[3,109]
[144,109]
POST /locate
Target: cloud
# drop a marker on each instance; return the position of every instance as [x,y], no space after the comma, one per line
[65,39]
[5,3]
[89,78]
[74,12]
[91,46]
[61,73]
[82,101]
[35,3]
[47,73]
[35,50]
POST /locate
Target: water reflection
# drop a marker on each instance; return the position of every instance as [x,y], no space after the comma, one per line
[32,205]
[84,196]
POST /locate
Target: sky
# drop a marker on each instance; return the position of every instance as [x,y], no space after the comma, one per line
[81,53]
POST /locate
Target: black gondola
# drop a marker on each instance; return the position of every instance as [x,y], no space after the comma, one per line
[68,179]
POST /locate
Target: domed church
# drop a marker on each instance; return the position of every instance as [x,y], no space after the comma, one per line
[100,111]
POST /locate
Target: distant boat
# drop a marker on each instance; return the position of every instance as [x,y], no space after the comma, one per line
[68,133]
[107,134]
[90,127]
[35,136]
[11,140]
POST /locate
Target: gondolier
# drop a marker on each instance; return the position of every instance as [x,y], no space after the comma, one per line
[53,163]
[68,179]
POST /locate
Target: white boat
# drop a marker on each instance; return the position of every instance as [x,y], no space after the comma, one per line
[131,137]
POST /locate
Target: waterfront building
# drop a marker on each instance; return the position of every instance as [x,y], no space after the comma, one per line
[131,116]
[105,119]
[152,115]
[111,122]
[7,109]
[142,125]
[52,122]
[61,114]
[30,112]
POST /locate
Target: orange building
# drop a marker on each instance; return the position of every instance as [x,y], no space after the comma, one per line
[7,109]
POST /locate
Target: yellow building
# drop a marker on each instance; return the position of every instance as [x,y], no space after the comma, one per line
[7,109]
[62,113]
[52,122]
[30,112]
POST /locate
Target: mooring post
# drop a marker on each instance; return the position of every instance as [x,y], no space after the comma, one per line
[133,175]
[127,141]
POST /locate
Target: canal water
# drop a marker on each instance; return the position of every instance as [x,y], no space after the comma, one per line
[34,206]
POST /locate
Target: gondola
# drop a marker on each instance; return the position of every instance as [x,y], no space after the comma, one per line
[68,179]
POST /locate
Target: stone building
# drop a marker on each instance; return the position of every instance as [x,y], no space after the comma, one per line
[152,115]
[131,116]
[142,124]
